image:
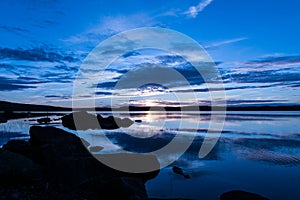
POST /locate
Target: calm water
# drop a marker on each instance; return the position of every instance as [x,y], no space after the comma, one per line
[257,151]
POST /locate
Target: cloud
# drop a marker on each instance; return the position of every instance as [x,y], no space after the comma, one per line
[44,71]
[194,10]
[111,25]
[250,101]
[35,54]
[228,87]
[8,84]
[225,42]
[267,76]
[58,96]
[131,53]
[13,29]
[276,60]
[103,93]
[277,71]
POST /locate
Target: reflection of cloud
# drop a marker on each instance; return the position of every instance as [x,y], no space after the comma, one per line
[273,151]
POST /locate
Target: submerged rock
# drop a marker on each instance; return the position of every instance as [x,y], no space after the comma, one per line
[95,148]
[241,195]
[178,170]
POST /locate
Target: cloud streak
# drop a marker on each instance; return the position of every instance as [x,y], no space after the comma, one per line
[225,42]
[35,54]
[8,84]
[195,10]
[13,29]
[111,25]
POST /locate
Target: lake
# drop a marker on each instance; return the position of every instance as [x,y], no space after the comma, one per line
[257,151]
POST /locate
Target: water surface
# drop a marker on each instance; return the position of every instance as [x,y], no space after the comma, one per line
[257,151]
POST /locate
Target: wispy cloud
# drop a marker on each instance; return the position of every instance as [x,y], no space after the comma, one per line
[225,42]
[282,70]
[8,84]
[13,29]
[35,54]
[194,10]
[277,60]
[48,72]
[111,25]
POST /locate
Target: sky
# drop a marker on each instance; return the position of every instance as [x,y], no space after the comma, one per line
[254,45]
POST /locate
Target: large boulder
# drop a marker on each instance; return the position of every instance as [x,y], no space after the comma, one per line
[20,147]
[53,143]
[241,195]
[3,120]
[127,187]
[17,169]
[69,166]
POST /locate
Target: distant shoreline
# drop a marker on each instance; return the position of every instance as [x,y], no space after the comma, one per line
[10,106]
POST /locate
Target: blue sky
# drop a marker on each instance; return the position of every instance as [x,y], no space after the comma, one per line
[255,45]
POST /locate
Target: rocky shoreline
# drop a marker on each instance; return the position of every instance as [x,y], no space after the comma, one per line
[55,164]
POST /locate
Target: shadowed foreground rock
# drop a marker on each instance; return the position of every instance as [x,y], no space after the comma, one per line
[86,121]
[16,168]
[66,170]
[241,195]
[3,120]
[19,147]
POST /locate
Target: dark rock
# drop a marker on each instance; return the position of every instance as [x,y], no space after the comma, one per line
[127,188]
[178,170]
[145,167]
[83,119]
[107,123]
[14,196]
[70,167]
[44,137]
[95,148]
[138,121]
[86,121]
[113,122]
[241,195]
[126,122]
[20,147]
[44,120]
[16,169]
[3,120]
[168,199]
[85,143]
